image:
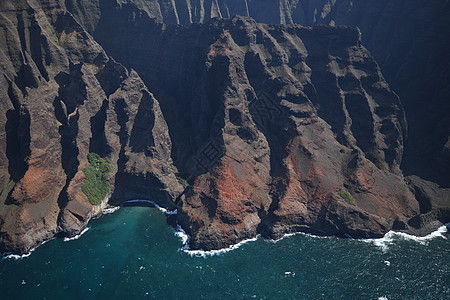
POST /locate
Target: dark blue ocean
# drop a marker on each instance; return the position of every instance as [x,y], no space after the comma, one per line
[134,254]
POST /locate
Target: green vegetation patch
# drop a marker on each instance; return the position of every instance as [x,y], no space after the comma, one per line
[181,177]
[54,37]
[344,194]
[96,186]
[46,198]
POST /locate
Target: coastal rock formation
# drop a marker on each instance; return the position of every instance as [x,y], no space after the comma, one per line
[271,124]
[409,40]
[258,129]
[63,97]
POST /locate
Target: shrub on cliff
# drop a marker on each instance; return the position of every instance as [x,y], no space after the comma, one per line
[96,185]
[344,194]
[182,178]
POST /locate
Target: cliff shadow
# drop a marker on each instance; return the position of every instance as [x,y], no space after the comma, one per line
[67,115]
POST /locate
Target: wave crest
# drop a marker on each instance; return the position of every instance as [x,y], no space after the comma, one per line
[393,236]
[185,238]
[152,203]
[77,236]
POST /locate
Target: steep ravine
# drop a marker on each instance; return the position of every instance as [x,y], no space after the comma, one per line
[63,97]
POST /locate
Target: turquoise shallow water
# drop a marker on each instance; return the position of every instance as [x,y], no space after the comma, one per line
[134,254]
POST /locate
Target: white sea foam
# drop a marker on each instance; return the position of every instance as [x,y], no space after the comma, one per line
[185,238]
[392,236]
[289,274]
[110,210]
[203,253]
[382,298]
[165,211]
[287,235]
[77,236]
[171,212]
[16,257]
[383,243]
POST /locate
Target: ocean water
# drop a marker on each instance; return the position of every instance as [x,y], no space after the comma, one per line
[134,254]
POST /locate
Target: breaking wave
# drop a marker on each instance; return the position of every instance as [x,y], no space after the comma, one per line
[17,257]
[110,210]
[77,236]
[185,238]
[165,211]
[287,235]
[392,236]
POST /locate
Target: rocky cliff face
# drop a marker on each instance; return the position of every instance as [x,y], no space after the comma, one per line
[407,38]
[409,41]
[271,124]
[273,128]
[63,97]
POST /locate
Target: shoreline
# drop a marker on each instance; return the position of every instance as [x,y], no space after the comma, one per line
[388,239]
[68,239]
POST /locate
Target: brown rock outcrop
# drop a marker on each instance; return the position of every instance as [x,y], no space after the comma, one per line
[59,93]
